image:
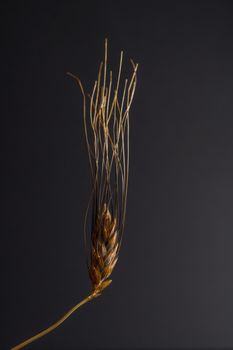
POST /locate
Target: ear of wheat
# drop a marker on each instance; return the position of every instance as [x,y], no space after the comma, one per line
[106,128]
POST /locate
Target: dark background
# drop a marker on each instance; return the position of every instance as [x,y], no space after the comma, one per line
[173,285]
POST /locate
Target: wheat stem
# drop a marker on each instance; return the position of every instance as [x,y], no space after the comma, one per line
[56,324]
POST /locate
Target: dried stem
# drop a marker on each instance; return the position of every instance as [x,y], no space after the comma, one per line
[55,325]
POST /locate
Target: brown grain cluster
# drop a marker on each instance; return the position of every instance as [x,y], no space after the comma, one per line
[104,250]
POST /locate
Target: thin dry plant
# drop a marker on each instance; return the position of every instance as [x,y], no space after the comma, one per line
[106,127]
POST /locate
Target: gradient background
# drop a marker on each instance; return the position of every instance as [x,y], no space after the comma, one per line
[173,285]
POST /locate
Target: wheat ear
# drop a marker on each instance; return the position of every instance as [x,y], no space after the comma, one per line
[106,127]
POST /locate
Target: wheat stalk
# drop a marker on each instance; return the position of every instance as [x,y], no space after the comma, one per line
[106,128]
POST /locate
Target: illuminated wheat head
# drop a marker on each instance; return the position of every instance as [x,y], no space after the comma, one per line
[106,125]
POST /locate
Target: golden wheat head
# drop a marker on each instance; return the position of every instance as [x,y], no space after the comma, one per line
[106,126]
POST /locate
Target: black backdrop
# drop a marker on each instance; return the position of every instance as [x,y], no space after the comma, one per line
[173,285]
